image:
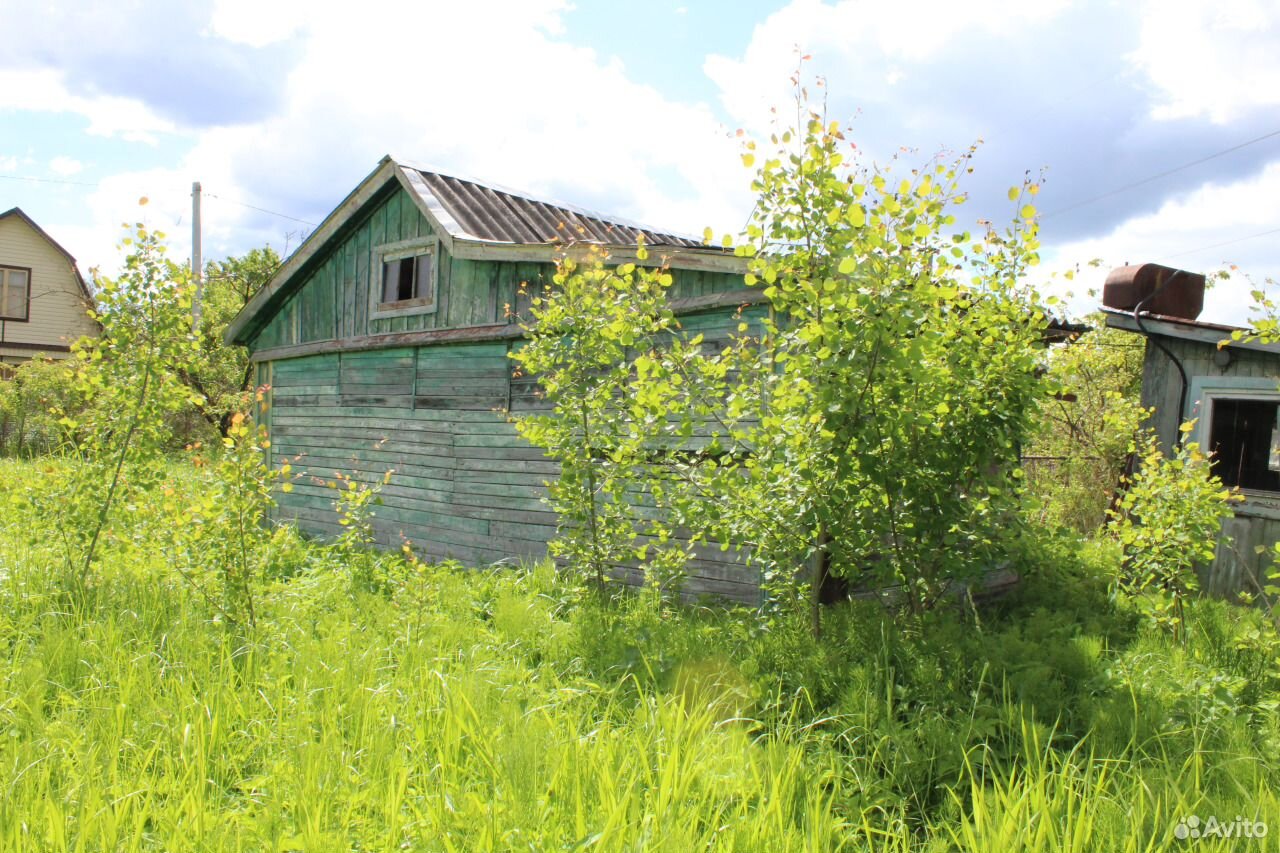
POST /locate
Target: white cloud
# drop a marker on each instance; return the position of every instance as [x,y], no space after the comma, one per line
[258,24]
[44,91]
[523,109]
[862,45]
[1015,73]
[65,166]
[1213,228]
[1210,59]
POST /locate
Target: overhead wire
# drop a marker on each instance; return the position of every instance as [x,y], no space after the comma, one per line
[1166,173]
[206,195]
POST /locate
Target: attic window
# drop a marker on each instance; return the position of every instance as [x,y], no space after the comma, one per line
[406,278]
[15,293]
[408,284]
[1245,435]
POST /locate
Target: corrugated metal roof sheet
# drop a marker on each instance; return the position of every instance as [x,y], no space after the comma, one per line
[501,216]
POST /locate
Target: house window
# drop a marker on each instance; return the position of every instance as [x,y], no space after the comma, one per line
[15,293]
[1244,433]
[409,273]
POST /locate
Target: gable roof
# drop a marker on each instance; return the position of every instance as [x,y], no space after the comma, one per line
[471,210]
[17,212]
[481,221]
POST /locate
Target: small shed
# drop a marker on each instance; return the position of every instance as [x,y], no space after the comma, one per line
[1195,370]
[44,301]
[384,340]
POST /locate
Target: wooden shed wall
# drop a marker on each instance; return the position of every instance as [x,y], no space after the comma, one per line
[1161,382]
[332,300]
[464,484]
[1237,566]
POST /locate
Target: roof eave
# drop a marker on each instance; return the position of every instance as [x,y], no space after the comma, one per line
[1186,330]
[677,257]
[238,328]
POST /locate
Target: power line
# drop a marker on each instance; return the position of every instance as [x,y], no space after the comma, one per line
[207,195]
[46,180]
[1223,243]
[260,209]
[1164,174]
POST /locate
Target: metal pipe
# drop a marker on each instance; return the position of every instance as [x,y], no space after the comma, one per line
[1182,373]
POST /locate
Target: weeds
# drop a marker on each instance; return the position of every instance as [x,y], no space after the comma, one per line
[444,709]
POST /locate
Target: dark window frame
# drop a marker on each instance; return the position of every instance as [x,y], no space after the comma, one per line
[4,294]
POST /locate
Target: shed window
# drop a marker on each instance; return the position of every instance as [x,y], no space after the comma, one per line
[407,279]
[1245,436]
[15,292]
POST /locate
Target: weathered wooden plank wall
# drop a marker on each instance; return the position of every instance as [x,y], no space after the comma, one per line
[1237,565]
[332,302]
[465,485]
[1161,382]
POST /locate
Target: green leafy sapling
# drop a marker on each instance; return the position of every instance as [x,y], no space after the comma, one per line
[594,346]
[1167,523]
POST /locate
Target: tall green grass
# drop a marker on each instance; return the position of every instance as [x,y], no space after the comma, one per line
[459,711]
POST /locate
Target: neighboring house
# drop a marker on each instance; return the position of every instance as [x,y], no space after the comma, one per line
[1193,370]
[385,337]
[44,301]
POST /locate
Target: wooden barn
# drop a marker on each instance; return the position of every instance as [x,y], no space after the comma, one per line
[1194,370]
[385,337]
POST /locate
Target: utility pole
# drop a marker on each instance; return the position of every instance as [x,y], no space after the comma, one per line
[197,263]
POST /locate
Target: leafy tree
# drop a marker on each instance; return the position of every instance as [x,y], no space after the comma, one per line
[221,373]
[593,347]
[128,378]
[882,408]
[868,425]
[1089,430]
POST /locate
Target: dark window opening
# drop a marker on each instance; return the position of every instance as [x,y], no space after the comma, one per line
[1245,438]
[405,279]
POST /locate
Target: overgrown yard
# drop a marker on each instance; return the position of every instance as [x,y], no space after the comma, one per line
[380,704]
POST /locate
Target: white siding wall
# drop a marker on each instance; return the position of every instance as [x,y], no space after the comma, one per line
[57,312]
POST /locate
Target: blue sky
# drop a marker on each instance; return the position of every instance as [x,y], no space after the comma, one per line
[285,105]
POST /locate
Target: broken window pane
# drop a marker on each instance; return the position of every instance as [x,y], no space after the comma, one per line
[391,281]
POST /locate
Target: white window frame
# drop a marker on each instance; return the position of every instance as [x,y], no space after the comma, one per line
[380,255]
[4,288]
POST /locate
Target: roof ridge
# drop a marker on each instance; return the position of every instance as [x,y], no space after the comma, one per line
[608,218]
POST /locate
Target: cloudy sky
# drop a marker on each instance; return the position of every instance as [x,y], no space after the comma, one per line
[1157,123]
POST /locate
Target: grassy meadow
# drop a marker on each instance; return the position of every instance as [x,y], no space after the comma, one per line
[379,704]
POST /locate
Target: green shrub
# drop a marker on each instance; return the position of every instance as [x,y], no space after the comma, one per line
[1167,523]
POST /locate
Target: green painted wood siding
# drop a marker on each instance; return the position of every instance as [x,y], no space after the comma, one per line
[464,484]
[332,301]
